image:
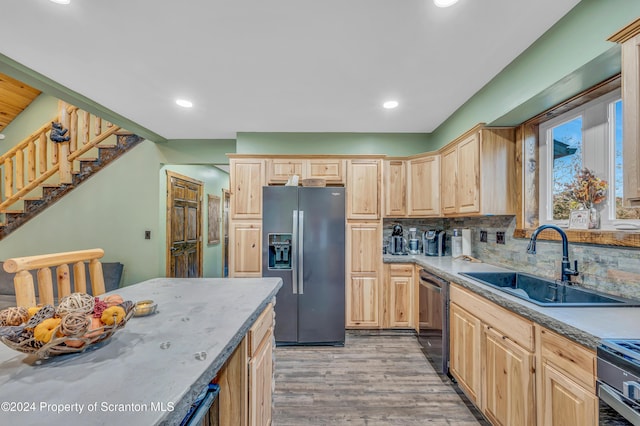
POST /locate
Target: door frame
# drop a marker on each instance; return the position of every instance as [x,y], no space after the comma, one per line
[168,205]
[226,203]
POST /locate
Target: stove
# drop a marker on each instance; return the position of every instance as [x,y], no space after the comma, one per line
[619,377]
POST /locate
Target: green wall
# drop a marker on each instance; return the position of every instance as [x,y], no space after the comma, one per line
[42,109]
[569,58]
[214,181]
[396,144]
[198,151]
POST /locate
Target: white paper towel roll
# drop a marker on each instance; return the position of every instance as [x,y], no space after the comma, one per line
[466,242]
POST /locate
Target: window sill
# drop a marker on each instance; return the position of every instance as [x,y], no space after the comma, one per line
[616,238]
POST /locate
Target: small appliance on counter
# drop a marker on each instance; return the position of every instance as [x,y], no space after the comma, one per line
[397,243]
[433,242]
[414,241]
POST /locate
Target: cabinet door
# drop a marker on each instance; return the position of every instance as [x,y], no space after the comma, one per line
[280,170]
[363,294]
[468,190]
[363,247]
[260,381]
[424,186]
[400,302]
[448,181]
[246,249]
[247,178]
[631,120]
[564,402]
[508,380]
[331,170]
[464,362]
[363,189]
[233,383]
[395,188]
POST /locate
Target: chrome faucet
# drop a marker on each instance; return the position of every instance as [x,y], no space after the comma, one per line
[566,271]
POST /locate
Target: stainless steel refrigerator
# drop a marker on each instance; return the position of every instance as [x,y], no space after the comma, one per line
[303,234]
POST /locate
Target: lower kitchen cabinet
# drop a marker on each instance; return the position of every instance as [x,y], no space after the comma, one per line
[567,381]
[363,287]
[363,295]
[245,246]
[464,351]
[508,380]
[398,296]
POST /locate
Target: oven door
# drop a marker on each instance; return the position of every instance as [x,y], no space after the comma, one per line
[433,331]
[621,406]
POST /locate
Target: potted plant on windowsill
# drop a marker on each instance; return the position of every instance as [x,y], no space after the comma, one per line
[586,191]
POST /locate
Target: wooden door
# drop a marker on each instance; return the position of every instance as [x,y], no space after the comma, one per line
[363,189]
[565,402]
[184,226]
[464,362]
[395,188]
[424,186]
[448,180]
[508,381]
[225,232]
[260,380]
[468,190]
[246,249]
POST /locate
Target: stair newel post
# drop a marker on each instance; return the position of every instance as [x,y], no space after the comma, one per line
[64,280]
[79,278]
[45,286]
[25,292]
[8,178]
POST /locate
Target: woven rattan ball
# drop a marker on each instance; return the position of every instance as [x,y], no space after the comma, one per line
[75,302]
[75,324]
[46,312]
[14,315]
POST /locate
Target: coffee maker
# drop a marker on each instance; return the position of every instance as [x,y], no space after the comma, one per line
[414,241]
[397,243]
[433,242]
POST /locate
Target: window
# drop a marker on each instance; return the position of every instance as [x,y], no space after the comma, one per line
[589,136]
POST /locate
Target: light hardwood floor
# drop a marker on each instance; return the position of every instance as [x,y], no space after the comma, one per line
[374,380]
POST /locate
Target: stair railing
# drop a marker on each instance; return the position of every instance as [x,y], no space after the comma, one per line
[37,158]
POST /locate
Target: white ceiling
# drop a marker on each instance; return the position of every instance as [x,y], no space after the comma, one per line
[274,65]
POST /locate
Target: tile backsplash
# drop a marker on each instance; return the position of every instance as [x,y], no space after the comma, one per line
[608,269]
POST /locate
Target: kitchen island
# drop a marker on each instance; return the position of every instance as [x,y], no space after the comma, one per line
[148,373]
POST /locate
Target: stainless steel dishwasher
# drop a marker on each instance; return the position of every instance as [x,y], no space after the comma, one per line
[433,332]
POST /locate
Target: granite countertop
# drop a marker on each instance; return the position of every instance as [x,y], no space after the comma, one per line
[147,373]
[585,325]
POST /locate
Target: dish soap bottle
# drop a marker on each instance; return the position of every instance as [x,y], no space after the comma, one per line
[456,244]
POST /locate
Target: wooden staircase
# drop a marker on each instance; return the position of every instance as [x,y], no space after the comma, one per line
[54,169]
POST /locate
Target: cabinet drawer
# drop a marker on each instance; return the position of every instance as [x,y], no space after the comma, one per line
[260,329]
[570,357]
[404,270]
[511,325]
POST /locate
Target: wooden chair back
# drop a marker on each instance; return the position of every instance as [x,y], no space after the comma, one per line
[23,280]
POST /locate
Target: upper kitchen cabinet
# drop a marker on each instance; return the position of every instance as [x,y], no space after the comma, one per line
[424,186]
[629,37]
[279,170]
[395,188]
[247,178]
[363,188]
[478,173]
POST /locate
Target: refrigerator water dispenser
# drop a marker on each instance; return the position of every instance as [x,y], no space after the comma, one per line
[279,251]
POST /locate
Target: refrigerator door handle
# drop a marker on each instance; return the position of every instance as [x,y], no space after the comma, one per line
[294,252]
[301,252]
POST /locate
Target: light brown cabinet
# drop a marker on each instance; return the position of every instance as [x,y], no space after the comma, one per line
[245,244]
[398,296]
[478,173]
[280,170]
[363,189]
[492,354]
[424,186]
[395,188]
[363,287]
[629,37]
[330,169]
[567,382]
[247,177]
[464,351]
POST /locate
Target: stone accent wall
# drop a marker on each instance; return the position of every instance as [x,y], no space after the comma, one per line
[608,269]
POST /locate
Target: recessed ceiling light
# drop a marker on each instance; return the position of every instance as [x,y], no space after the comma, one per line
[390,104]
[444,3]
[184,103]
[61,1]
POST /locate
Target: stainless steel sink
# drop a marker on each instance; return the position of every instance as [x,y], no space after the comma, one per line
[545,292]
